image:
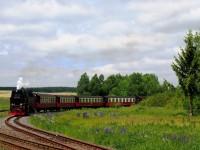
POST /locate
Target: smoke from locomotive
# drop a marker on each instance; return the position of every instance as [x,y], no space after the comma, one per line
[21,83]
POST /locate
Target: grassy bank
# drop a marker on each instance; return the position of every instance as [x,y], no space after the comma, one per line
[137,127]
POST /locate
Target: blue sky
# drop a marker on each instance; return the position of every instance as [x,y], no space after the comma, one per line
[52,42]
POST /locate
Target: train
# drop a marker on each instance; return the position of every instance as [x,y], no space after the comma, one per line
[24,102]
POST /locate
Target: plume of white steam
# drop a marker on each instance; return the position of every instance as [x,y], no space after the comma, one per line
[21,83]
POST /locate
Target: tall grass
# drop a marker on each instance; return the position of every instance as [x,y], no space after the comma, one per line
[137,127]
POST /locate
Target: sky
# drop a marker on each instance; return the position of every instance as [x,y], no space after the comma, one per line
[53,42]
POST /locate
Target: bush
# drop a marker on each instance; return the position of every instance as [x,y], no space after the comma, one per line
[170,99]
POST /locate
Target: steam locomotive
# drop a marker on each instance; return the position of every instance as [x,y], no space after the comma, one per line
[24,102]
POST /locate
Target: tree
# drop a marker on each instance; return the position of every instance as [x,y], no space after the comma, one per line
[83,85]
[187,69]
[166,86]
[151,84]
[122,88]
[102,91]
[95,86]
[136,85]
[111,82]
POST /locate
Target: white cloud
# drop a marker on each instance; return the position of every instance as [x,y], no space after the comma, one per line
[3,53]
[165,16]
[44,9]
[59,40]
[6,29]
[84,44]
[114,27]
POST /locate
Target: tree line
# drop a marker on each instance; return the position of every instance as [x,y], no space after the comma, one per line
[135,84]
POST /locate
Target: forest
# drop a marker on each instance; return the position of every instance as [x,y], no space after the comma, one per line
[135,84]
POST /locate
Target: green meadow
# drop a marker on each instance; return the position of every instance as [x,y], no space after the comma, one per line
[137,127]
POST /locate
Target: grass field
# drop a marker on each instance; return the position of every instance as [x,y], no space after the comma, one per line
[5,94]
[4,102]
[136,127]
[4,99]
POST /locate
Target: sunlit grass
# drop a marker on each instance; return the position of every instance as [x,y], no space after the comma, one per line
[4,103]
[5,93]
[136,127]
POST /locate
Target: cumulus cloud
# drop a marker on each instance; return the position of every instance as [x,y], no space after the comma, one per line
[44,9]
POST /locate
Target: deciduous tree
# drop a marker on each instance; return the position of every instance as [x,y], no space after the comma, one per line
[187,68]
[83,85]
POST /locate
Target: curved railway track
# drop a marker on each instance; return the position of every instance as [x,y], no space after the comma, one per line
[49,140]
[19,143]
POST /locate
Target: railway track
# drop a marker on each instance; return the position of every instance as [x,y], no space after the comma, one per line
[49,139]
[19,143]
